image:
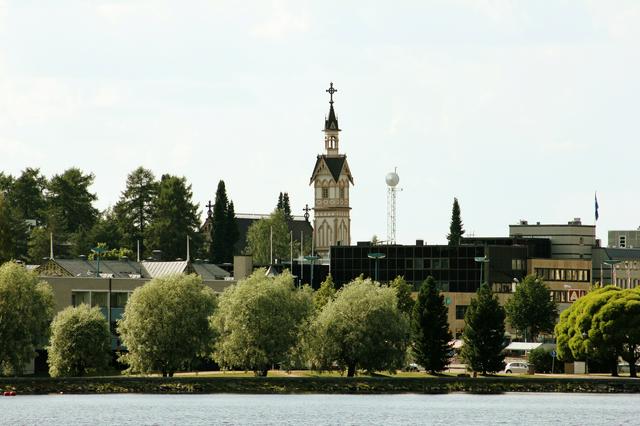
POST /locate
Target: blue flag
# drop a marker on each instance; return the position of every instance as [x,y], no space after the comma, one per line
[597,215]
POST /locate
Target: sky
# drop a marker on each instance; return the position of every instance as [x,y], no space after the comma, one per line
[520,109]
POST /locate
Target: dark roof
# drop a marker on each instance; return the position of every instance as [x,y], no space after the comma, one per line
[331,122]
[114,268]
[334,164]
[297,225]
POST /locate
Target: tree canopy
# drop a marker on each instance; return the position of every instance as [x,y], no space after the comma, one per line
[531,309]
[325,293]
[431,338]
[362,328]
[174,218]
[403,292]
[68,196]
[166,324]
[259,238]
[455,229]
[80,342]
[483,336]
[224,230]
[26,309]
[260,321]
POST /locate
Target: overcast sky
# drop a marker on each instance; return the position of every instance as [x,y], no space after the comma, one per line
[520,109]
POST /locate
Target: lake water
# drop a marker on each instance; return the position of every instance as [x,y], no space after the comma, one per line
[407,409]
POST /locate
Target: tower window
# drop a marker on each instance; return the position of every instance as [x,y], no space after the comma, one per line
[325,192]
[341,192]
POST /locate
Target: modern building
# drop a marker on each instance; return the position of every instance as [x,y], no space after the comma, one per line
[618,266]
[624,239]
[568,241]
[331,179]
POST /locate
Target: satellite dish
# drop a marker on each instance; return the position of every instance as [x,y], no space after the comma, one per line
[392,179]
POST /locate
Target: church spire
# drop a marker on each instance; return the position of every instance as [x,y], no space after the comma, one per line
[331,127]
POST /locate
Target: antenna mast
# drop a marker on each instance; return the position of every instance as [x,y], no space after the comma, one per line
[392,180]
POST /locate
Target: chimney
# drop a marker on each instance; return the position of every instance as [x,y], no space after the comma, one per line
[419,243]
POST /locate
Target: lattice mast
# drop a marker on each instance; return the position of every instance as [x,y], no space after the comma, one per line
[392,180]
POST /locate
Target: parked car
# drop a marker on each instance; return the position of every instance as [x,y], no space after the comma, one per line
[517,368]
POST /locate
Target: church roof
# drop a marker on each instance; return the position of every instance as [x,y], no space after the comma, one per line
[331,122]
[335,166]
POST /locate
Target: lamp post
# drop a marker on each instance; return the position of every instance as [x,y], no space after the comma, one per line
[98,251]
[612,263]
[312,258]
[376,257]
[481,260]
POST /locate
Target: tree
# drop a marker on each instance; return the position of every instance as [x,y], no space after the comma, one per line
[259,238]
[174,218]
[224,229]
[483,335]
[260,321]
[106,230]
[134,210]
[26,309]
[455,229]
[403,292]
[325,293]
[431,343]
[27,195]
[13,231]
[362,328]
[166,324]
[68,196]
[531,309]
[80,342]
[286,206]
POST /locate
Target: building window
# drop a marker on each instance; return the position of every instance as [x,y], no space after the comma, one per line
[622,241]
[325,192]
[119,300]
[342,193]
[99,299]
[460,311]
[418,263]
[80,297]
[442,285]
[517,264]
[408,263]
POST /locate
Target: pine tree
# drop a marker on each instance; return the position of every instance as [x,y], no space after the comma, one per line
[483,337]
[286,207]
[455,230]
[280,205]
[430,328]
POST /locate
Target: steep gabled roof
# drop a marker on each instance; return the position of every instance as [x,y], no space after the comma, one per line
[331,122]
[335,166]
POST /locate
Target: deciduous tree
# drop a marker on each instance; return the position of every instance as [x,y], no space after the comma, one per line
[325,293]
[26,309]
[403,292]
[166,324]
[362,328]
[260,321]
[431,338]
[80,342]
[259,238]
[531,309]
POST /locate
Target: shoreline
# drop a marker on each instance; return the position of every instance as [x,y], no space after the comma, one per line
[319,385]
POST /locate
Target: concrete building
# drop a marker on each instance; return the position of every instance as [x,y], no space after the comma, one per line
[568,241]
[618,266]
[624,239]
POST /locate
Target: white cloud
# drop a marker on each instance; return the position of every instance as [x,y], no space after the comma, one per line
[619,21]
[281,22]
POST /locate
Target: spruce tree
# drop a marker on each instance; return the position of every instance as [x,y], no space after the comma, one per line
[280,205]
[286,207]
[483,337]
[455,229]
[431,343]
[219,234]
[232,232]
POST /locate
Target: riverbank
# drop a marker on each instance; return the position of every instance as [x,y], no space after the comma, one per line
[319,385]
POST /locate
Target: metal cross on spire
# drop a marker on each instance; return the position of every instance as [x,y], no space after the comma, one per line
[331,91]
[209,205]
[306,211]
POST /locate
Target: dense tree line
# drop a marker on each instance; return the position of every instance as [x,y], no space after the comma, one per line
[156,214]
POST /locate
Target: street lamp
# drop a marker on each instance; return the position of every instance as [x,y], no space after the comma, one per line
[612,263]
[312,258]
[376,257]
[481,260]
[98,251]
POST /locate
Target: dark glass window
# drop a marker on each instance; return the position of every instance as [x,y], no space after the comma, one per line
[460,311]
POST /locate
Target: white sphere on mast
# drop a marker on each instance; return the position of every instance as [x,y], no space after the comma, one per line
[392,179]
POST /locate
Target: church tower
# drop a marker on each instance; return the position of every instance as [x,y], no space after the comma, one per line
[331,181]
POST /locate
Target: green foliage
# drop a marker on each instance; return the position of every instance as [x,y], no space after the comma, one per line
[80,342]
[224,230]
[531,309]
[259,235]
[260,321]
[431,338]
[166,324]
[325,293]
[483,336]
[26,309]
[174,218]
[68,196]
[27,194]
[455,229]
[542,361]
[284,205]
[134,210]
[113,254]
[403,292]
[362,328]
[13,239]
